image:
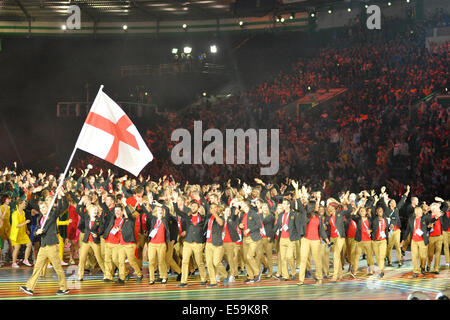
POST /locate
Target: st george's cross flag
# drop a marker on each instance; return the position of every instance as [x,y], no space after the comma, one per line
[109,134]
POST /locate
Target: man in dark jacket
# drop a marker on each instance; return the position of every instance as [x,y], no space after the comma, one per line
[250,224]
[49,249]
[214,245]
[418,228]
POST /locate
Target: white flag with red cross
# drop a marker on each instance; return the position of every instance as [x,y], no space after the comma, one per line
[109,134]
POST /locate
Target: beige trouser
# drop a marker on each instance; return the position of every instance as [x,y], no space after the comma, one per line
[84,251]
[287,249]
[231,257]
[48,253]
[249,251]
[214,256]
[351,250]
[111,259]
[298,254]
[155,249]
[365,246]
[140,244]
[128,251]
[102,247]
[406,243]
[170,262]
[239,253]
[446,237]
[190,248]
[325,254]
[267,258]
[434,250]
[418,252]
[337,248]
[394,240]
[379,247]
[307,247]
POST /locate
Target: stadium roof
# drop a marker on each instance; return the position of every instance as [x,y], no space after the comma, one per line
[144,10]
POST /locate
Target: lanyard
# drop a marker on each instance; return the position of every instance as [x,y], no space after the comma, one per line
[334,225]
[210,222]
[285,218]
[224,229]
[366,226]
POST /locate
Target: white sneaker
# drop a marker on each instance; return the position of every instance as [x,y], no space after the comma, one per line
[15,265]
[126,260]
[218,278]
[231,279]
[49,266]
[27,263]
[63,263]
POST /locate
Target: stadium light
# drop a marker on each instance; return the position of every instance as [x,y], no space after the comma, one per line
[349,9]
[124,27]
[174,51]
[187,50]
[204,94]
[292,16]
[282,20]
[63,27]
[184,26]
[407,1]
[241,23]
[312,14]
[366,6]
[330,11]
[389,3]
[213,48]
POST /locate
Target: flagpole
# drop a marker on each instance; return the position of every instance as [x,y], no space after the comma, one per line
[64,174]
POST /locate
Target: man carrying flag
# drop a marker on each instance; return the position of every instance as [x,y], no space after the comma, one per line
[109,134]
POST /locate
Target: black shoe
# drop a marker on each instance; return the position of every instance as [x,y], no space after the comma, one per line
[212,285]
[62,292]
[428,269]
[381,275]
[403,253]
[308,274]
[400,264]
[26,290]
[139,279]
[293,278]
[248,281]
[435,272]
[264,270]
[227,268]
[179,277]
[415,275]
[203,283]
[150,283]
[422,270]
[120,281]
[158,280]
[181,285]
[283,279]
[107,280]
[163,281]
[127,277]
[364,256]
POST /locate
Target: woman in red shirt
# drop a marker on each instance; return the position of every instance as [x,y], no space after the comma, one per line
[72,231]
[363,240]
[313,232]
